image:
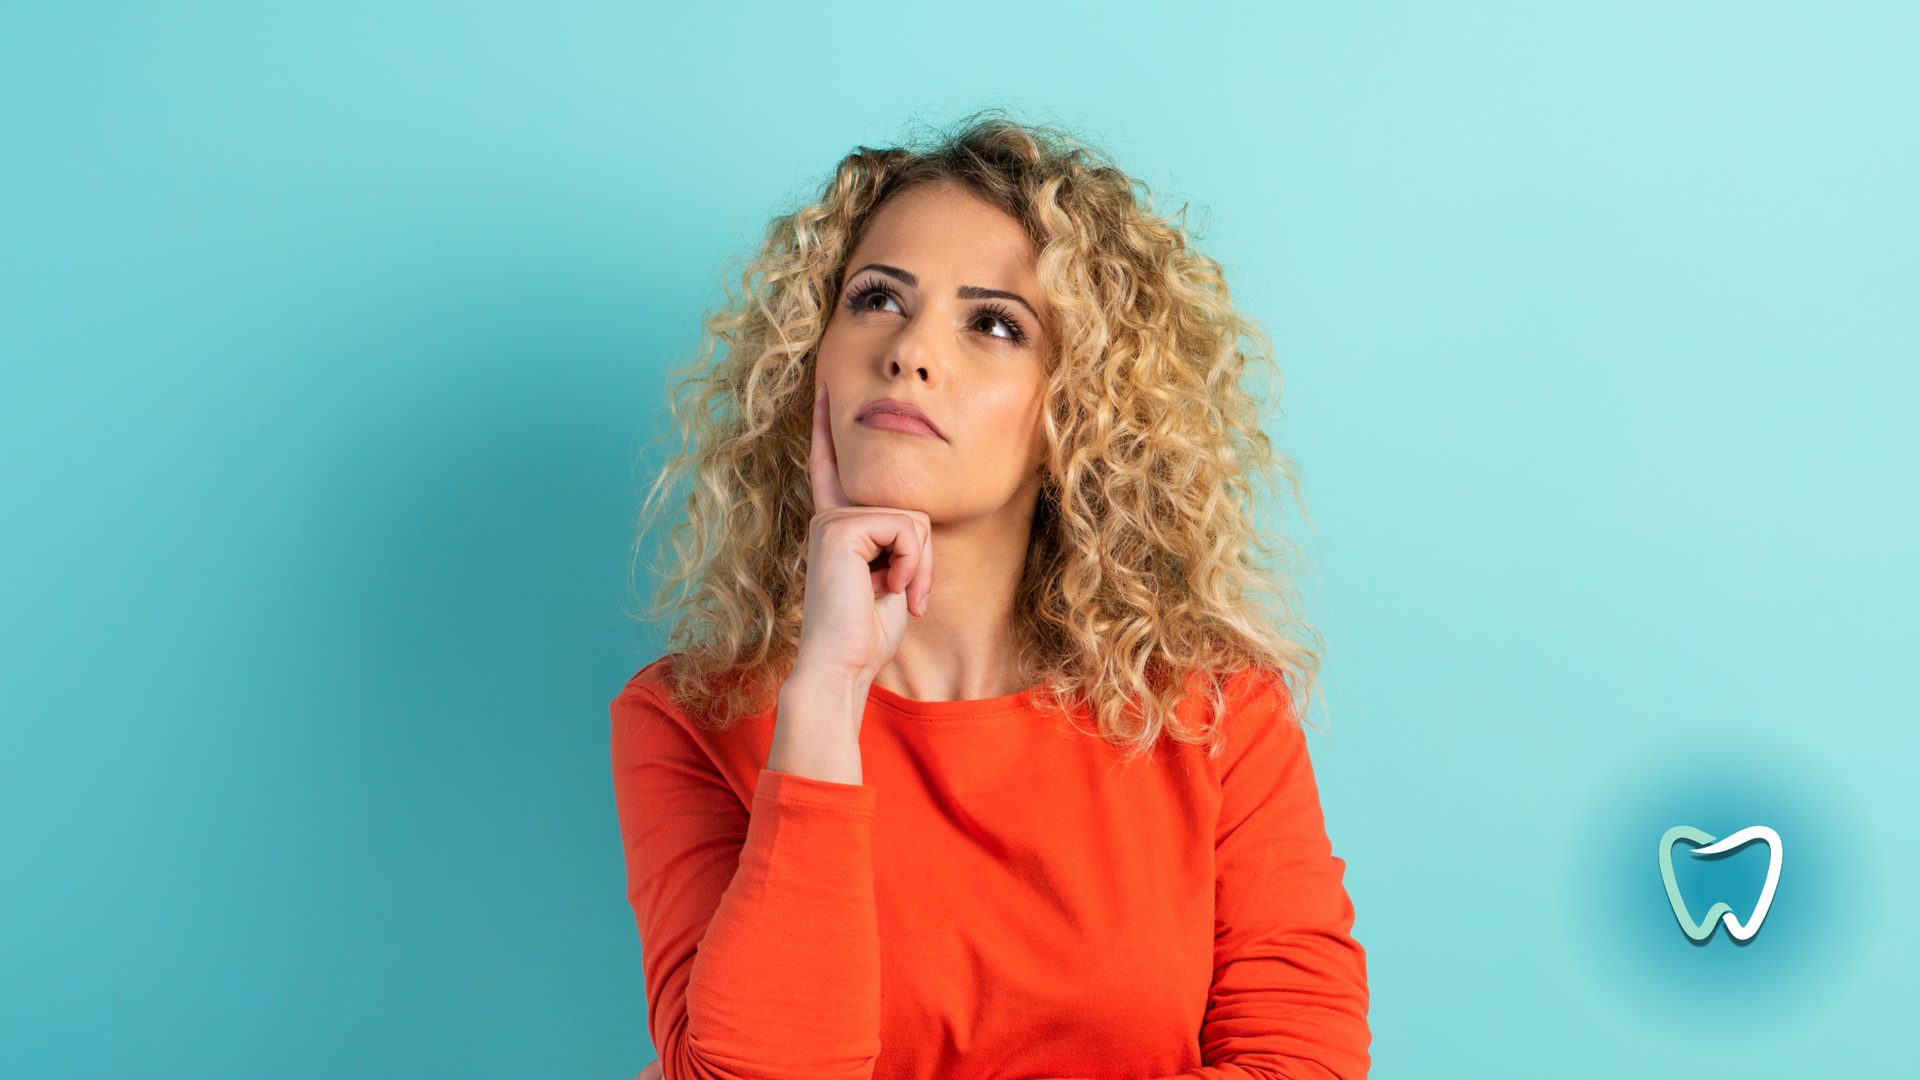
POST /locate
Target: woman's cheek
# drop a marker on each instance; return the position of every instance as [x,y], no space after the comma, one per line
[1011,432]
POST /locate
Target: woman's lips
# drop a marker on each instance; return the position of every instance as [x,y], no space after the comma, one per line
[890,415]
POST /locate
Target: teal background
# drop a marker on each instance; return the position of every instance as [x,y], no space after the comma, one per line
[331,335]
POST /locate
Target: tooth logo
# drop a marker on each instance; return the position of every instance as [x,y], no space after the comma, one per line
[1703,929]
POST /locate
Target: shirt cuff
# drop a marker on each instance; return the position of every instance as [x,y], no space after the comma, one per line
[786,789]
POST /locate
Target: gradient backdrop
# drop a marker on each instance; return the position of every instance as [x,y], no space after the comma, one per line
[332,335]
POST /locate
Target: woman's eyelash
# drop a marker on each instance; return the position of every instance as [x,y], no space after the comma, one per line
[867,290]
[859,295]
[1017,335]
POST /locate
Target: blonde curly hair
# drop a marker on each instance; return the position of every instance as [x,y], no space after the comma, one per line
[1148,581]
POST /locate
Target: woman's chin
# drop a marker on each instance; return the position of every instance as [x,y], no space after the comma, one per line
[896,496]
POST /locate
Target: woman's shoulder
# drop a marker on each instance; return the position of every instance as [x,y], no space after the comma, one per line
[1257,722]
[652,723]
[651,688]
[1259,686]
[651,696]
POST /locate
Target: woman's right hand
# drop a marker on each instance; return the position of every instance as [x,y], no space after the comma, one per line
[868,568]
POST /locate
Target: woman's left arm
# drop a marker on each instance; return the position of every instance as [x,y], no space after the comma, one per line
[1289,992]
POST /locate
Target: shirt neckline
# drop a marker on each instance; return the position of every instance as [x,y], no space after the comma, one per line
[950,710]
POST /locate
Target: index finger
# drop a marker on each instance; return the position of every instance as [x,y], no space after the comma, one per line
[920,589]
[823,465]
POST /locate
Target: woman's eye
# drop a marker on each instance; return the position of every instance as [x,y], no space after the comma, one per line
[994,326]
[877,300]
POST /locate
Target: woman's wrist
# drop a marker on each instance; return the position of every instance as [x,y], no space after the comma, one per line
[816,730]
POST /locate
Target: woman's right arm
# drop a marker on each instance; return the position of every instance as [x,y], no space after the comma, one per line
[759,937]
[758,927]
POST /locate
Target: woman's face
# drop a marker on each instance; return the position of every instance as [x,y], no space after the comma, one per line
[935,361]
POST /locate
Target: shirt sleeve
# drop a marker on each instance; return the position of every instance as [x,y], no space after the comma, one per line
[1289,995]
[1290,983]
[759,935]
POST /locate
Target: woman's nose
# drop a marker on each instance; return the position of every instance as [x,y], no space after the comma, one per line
[915,355]
[920,371]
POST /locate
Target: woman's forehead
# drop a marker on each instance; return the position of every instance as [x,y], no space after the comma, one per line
[951,231]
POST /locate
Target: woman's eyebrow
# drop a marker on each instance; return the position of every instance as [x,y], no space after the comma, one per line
[975,292]
[906,279]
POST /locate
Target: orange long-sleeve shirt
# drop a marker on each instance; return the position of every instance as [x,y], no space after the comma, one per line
[1004,897]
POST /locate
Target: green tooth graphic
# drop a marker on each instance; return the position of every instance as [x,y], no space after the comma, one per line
[1703,929]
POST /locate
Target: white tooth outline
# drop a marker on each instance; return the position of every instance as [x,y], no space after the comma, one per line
[1775,852]
[1702,931]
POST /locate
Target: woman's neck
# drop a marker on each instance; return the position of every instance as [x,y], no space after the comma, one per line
[964,648]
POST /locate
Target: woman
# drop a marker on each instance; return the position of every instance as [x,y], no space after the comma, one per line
[977,754]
